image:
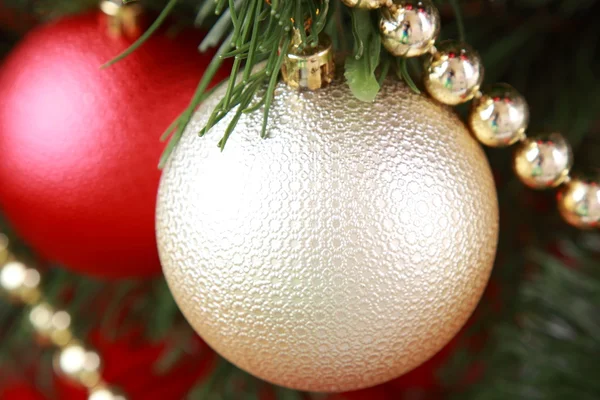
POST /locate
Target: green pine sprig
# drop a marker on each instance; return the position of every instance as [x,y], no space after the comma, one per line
[255,36]
[258,35]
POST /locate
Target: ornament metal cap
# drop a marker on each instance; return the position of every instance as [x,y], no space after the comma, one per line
[124,18]
[309,67]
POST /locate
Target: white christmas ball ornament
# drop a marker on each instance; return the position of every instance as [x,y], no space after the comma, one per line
[342,251]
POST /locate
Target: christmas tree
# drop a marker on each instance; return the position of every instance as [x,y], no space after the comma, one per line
[388,199]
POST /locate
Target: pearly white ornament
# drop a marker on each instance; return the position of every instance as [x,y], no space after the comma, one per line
[342,251]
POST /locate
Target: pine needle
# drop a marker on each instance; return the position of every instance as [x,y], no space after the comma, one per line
[272,83]
[207,8]
[153,28]
[385,68]
[201,92]
[215,35]
[405,75]
[459,20]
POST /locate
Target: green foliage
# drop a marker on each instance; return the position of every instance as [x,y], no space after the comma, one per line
[360,68]
[151,30]
[256,37]
[548,349]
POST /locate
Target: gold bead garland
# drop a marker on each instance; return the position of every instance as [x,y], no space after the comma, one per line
[52,326]
[20,282]
[101,392]
[503,100]
[543,161]
[453,73]
[78,364]
[73,360]
[409,30]
[366,4]
[499,113]
[579,201]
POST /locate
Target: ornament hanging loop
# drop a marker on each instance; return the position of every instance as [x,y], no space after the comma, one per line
[124,18]
[308,67]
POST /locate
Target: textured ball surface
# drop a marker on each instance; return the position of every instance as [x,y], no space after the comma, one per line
[80,146]
[345,249]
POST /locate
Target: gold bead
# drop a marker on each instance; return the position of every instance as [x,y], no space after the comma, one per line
[78,364]
[368,4]
[50,324]
[579,202]
[103,392]
[453,74]
[544,161]
[308,67]
[20,282]
[3,248]
[500,116]
[409,27]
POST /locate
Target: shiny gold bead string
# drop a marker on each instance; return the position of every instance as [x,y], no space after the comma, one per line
[73,360]
[499,114]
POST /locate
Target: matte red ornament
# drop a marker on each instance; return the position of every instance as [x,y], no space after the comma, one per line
[20,391]
[79,146]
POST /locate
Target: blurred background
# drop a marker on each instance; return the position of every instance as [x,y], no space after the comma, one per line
[535,334]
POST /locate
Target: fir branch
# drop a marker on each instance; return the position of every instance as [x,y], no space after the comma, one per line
[459,20]
[253,41]
[164,312]
[287,394]
[244,38]
[218,32]
[271,88]
[257,33]
[207,8]
[205,390]
[175,131]
[552,352]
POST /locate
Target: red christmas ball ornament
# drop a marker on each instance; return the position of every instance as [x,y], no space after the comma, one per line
[80,145]
[19,391]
